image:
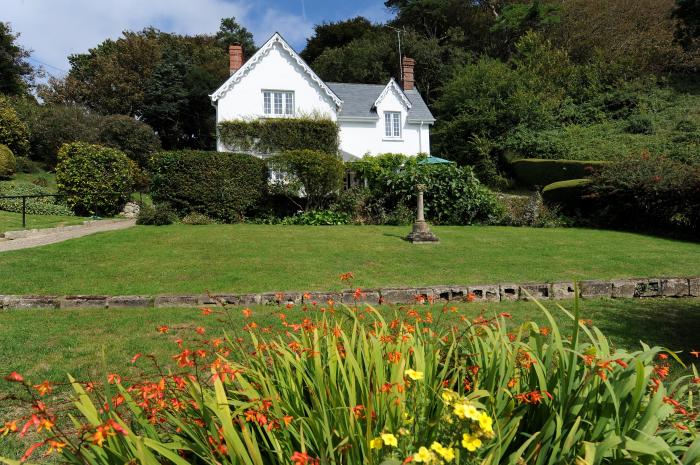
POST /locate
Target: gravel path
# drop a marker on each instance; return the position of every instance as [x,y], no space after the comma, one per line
[53,235]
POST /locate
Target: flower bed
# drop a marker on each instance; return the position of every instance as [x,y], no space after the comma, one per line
[346,385]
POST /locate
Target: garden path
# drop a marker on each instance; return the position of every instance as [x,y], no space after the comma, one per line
[53,235]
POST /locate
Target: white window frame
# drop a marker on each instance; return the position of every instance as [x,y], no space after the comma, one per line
[278,103]
[392,125]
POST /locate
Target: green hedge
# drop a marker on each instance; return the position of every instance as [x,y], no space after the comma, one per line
[8,162]
[221,185]
[97,180]
[320,174]
[568,194]
[34,205]
[272,135]
[541,172]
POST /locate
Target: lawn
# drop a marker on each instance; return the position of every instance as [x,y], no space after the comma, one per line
[13,221]
[248,258]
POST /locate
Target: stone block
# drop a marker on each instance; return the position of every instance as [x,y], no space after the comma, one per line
[509,291]
[561,291]
[623,288]
[367,296]
[322,298]
[231,299]
[596,289]
[442,293]
[84,301]
[163,301]
[22,302]
[538,291]
[486,292]
[647,288]
[694,287]
[675,287]
[129,301]
[281,298]
[404,295]
[459,293]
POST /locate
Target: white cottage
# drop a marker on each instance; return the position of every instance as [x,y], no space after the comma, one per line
[373,118]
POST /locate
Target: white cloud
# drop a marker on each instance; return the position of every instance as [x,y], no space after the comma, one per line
[54,29]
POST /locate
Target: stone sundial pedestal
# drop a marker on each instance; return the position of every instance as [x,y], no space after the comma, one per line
[421,233]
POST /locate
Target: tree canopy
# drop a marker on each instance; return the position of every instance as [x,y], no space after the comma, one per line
[16,73]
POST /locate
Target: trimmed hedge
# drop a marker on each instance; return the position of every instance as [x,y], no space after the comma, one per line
[8,162]
[320,174]
[273,135]
[568,194]
[97,180]
[542,172]
[221,185]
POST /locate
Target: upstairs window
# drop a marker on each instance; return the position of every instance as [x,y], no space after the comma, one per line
[278,103]
[392,124]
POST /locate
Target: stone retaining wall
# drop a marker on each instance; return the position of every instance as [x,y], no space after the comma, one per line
[618,288]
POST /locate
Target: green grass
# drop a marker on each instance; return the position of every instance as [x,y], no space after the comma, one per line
[249,258]
[13,221]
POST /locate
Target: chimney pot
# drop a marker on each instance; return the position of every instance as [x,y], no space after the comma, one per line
[235,57]
[407,71]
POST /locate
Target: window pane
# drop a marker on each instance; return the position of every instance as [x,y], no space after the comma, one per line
[387,124]
[397,124]
[289,103]
[278,103]
[267,104]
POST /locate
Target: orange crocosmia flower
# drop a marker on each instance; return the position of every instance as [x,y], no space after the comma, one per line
[135,357]
[287,419]
[250,415]
[31,450]
[162,329]
[200,330]
[14,377]
[183,358]
[114,378]
[358,411]
[247,312]
[46,424]
[544,331]
[55,446]
[206,311]
[663,356]
[394,357]
[337,332]
[43,388]
[347,276]
[358,294]
[696,380]
[10,427]
[471,297]
[695,353]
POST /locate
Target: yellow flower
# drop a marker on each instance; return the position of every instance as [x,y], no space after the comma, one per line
[486,423]
[407,419]
[413,374]
[468,411]
[376,443]
[389,439]
[446,453]
[471,443]
[449,396]
[423,455]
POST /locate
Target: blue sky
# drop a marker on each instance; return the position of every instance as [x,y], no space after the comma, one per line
[53,29]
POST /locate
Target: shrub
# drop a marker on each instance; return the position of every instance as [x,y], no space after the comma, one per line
[686,125]
[539,172]
[34,206]
[640,124]
[223,186]
[158,215]
[319,174]
[13,131]
[318,218]
[135,138]
[340,385]
[8,162]
[531,211]
[274,135]
[25,165]
[97,180]
[568,194]
[196,219]
[648,192]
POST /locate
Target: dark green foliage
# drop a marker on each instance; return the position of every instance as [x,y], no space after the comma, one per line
[158,215]
[640,124]
[334,35]
[196,219]
[648,192]
[530,211]
[318,218]
[569,194]
[97,180]
[319,174]
[231,32]
[272,135]
[223,186]
[8,162]
[533,172]
[135,138]
[34,205]
[16,74]
[13,131]
[686,125]
[25,165]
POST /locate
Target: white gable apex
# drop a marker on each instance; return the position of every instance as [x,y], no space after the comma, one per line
[236,77]
[392,85]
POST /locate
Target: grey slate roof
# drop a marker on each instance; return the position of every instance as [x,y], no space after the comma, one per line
[358,101]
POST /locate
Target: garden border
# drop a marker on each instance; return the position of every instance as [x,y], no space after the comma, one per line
[589,289]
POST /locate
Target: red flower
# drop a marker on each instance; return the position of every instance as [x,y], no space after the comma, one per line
[14,377]
[162,329]
[31,450]
[302,458]
[135,357]
[471,297]
[347,276]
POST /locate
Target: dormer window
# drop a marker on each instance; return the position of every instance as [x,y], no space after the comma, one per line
[278,103]
[392,124]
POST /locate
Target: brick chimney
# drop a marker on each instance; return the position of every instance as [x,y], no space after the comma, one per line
[235,57]
[407,72]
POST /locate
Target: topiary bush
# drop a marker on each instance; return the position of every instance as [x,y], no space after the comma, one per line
[569,194]
[533,172]
[8,162]
[274,135]
[35,205]
[319,174]
[223,186]
[133,137]
[97,180]
[13,131]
